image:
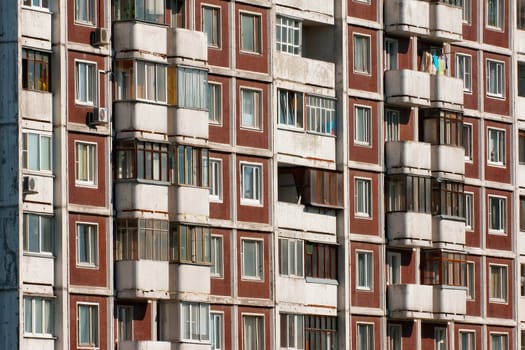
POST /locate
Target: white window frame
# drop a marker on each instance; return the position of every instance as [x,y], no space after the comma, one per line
[363,197]
[464,70]
[90,84]
[159,87]
[291,264]
[46,306]
[502,213]
[41,150]
[258,259]
[91,13]
[496,156]
[504,340]
[469,211]
[256,34]
[471,280]
[320,115]
[395,339]
[91,163]
[44,238]
[363,120]
[215,180]
[257,184]
[189,336]
[394,267]
[92,243]
[217,256]
[215,100]
[440,338]
[216,24]
[293,28]
[257,99]
[468,141]
[39,6]
[500,295]
[94,333]
[362,42]
[214,316]
[471,339]
[500,79]
[259,322]
[500,7]
[366,281]
[392,125]
[296,112]
[369,335]
[129,314]
[391,53]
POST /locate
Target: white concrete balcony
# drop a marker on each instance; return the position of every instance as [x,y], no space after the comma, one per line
[293,216]
[188,278]
[446,22]
[43,192]
[142,279]
[186,43]
[303,70]
[189,201]
[448,232]
[407,87]
[449,302]
[305,145]
[38,269]
[144,345]
[139,36]
[409,229]
[188,122]
[410,300]
[191,346]
[38,343]
[448,159]
[321,7]
[407,17]
[446,92]
[36,24]
[520,106]
[408,155]
[140,116]
[298,291]
[132,195]
[37,105]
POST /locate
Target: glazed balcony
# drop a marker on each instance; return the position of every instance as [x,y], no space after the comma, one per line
[320,7]
[144,345]
[448,232]
[446,92]
[38,269]
[407,17]
[446,22]
[312,293]
[182,278]
[407,87]
[186,43]
[411,229]
[296,217]
[305,145]
[139,36]
[36,105]
[142,279]
[133,195]
[304,70]
[448,159]
[407,155]
[188,202]
[36,24]
[140,116]
[188,122]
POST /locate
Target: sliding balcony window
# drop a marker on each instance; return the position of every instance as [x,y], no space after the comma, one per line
[291,257]
[151,11]
[142,239]
[35,70]
[192,166]
[288,35]
[194,319]
[442,127]
[37,151]
[320,260]
[448,199]
[140,80]
[408,193]
[320,115]
[142,160]
[190,244]
[444,268]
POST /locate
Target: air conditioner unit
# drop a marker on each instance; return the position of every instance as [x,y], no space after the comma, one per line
[100,37]
[99,116]
[30,185]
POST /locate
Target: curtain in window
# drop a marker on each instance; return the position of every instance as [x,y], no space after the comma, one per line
[248,108]
[247,33]
[81,82]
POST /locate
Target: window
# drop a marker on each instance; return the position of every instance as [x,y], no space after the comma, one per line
[363,196]
[464,71]
[142,239]
[395,332]
[85,11]
[441,127]
[467,141]
[87,325]
[408,193]
[192,166]
[498,283]
[191,89]
[320,332]
[467,11]
[497,214]
[292,331]
[495,14]
[194,321]
[250,109]
[364,270]
[365,336]
[211,25]
[144,10]
[522,280]
[320,261]
[253,332]
[87,247]
[469,211]
[448,198]
[320,115]
[520,13]
[190,244]
[443,268]
[392,125]
[362,125]
[35,69]
[250,33]
[85,83]
[142,160]
[440,338]
[124,323]
[151,81]
[178,14]
[291,257]
[216,256]
[521,146]
[38,236]
[361,54]
[288,33]
[38,316]
[85,163]
[251,184]
[44,4]
[498,341]
[522,213]
[214,103]
[394,268]
[215,180]
[252,259]
[496,146]
[290,108]
[216,330]
[470,281]
[37,151]
[467,339]
[495,78]
[390,54]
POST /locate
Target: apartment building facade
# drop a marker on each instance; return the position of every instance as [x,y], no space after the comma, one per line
[287,174]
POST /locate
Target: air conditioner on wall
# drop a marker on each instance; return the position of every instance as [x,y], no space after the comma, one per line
[30,185]
[100,37]
[99,116]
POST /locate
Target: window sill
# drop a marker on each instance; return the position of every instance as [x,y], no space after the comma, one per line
[252,279]
[364,289]
[250,128]
[90,185]
[366,74]
[363,216]
[496,97]
[495,29]
[40,255]
[496,165]
[39,336]
[38,91]
[497,232]
[497,301]
[251,203]
[321,281]
[37,9]
[362,144]
[41,173]
[87,266]
[138,20]
[216,200]
[312,132]
[251,53]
